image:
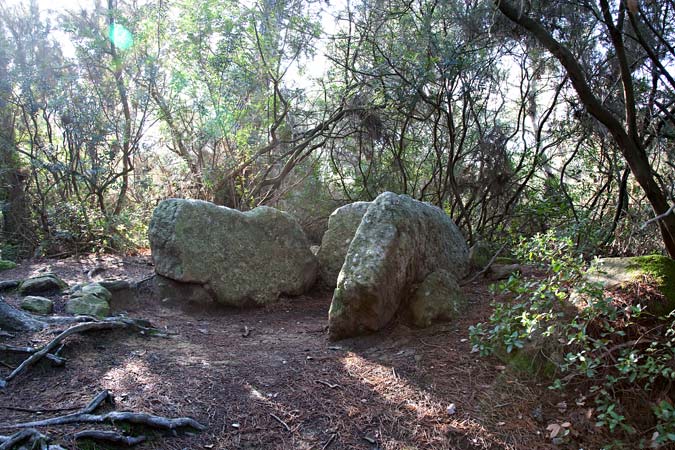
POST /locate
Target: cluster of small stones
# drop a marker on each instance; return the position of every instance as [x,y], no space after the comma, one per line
[90,299]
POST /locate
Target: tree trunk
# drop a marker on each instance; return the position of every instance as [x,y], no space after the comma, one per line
[628,142]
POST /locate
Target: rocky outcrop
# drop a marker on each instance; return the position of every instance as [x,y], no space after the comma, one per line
[437,298]
[238,258]
[342,225]
[47,283]
[37,305]
[399,242]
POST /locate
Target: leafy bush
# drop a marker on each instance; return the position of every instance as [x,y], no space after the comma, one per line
[606,345]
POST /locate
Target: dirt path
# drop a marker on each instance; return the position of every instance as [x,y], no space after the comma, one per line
[386,391]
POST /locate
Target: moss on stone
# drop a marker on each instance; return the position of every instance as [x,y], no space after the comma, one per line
[6,265]
[505,260]
[662,270]
[528,360]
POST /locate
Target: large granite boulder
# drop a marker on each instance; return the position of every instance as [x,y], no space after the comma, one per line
[47,283]
[238,258]
[342,225]
[399,242]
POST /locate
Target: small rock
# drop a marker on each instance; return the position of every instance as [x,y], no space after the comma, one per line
[451,409]
[538,414]
[42,284]
[37,305]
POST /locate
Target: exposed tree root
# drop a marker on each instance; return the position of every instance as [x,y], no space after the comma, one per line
[112,323]
[54,358]
[16,320]
[32,437]
[85,415]
[110,436]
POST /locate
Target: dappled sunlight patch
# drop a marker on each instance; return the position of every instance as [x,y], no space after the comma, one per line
[134,373]
[386,382]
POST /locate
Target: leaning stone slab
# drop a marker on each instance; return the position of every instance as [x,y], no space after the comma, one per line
[47,283]
[37,305]
[239,258]
[399,242]
[342,225]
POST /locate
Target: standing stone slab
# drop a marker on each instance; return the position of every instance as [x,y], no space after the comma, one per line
[342,225]
[399,242]
[239,258]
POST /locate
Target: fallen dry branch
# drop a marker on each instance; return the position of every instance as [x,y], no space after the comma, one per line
[85,415]
[112,437]
[107,324]
[54,358]
[485,269]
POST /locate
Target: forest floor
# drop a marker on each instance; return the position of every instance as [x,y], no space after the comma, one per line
[269,378]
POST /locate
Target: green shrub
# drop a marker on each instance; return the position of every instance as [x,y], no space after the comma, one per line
[608,346]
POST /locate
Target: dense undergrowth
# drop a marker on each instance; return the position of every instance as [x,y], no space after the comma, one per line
[607,348]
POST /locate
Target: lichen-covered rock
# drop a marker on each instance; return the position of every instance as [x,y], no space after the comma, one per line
[97,289]
[399,242]
[239,258]
[47,283]
[37,305]
[616,273]
[479,255]
[90,300]
[342,225]
[438,297]
[503,271]
[88,305]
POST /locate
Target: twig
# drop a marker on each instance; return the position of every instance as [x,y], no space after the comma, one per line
[659,217]
[330,441]
[110,436]
[485,269]
[38,410]
[326,383]
[281,422]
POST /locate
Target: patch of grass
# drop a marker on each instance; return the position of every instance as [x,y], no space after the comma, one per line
[662,269]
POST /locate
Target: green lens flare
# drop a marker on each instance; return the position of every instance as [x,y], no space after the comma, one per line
[120,36]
